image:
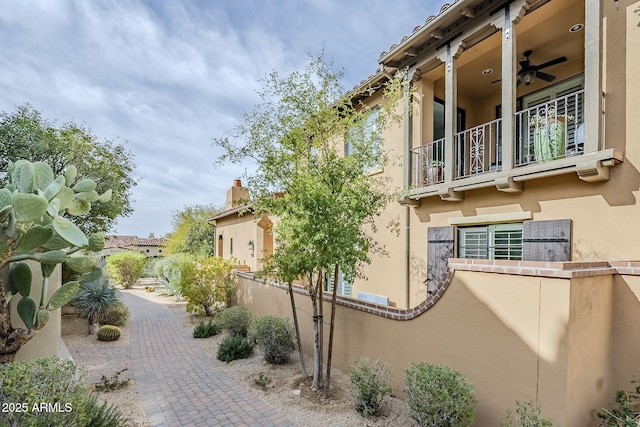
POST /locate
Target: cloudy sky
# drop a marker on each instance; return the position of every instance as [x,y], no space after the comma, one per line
[165,77]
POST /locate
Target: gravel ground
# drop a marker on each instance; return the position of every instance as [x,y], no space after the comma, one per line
[288,390]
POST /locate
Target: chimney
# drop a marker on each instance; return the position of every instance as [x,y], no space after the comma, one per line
[237,194]
[152,236]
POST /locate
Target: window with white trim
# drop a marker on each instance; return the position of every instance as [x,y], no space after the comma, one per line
[368,133]
[493,241]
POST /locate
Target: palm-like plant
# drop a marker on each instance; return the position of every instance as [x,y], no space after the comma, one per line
[94,299]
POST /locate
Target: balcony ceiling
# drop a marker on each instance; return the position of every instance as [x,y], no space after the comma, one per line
[545,31]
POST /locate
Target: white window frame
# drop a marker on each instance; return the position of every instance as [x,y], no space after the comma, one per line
[370,128]
[492,241]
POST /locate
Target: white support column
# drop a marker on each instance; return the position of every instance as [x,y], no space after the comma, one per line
[592,76]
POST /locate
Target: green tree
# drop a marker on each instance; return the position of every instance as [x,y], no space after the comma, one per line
[296,138]
[126,268]
[208,282]
[25,134]
[192,232]
[34,206]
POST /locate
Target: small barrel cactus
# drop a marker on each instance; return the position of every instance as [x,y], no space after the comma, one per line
[108,333]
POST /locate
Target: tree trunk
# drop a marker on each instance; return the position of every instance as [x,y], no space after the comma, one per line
[315,382]
[320,327]
[297,328]
[93,326]
[11,339]
[333,318]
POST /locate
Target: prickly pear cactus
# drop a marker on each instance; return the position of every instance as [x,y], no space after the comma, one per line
[35,207]
[108,333]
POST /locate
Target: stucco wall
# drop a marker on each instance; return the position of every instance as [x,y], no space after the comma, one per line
[45,343]
[514,337]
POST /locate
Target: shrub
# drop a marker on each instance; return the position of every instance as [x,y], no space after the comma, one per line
[626,411]
[207,284]
[116,315]
[236,320]
[112,383]
[52,382]
[438,396]
[527,415]
[234,347]
[108,333]
[170,271]
[262,380]
[206,330]
[126,268]
[370,380]
[275,336]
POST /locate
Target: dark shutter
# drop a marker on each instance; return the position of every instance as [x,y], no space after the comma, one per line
[546,240]
[440,248]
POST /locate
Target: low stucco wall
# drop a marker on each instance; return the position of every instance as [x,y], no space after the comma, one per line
[545,340]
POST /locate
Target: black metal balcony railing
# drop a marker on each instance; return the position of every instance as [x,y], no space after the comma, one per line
[550,131]
[427,164]
[478,149]
[546,132]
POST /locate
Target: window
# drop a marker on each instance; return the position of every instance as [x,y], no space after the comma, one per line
[370,136]
[495,241]
[344,287]
[231,246]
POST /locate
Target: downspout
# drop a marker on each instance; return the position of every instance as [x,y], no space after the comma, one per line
[408,131]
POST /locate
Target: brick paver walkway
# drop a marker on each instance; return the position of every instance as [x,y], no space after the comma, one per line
[178,384]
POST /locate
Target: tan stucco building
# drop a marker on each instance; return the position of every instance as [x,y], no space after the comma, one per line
[518,208]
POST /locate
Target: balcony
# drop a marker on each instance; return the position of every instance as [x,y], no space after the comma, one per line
[549,140]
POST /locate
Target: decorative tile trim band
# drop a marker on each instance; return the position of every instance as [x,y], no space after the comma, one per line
[560,270]
[368,307]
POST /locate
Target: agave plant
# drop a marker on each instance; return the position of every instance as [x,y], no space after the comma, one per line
[93,300]
[34,225]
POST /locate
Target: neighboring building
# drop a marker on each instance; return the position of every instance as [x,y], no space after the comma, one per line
[239,234]
[151,247]
[521,181]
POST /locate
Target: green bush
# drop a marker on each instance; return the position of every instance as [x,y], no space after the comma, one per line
[527,415]
[236,320]
[207,284]
[370,381]
[56,384]
[275,336]
[126,268]
[116,315]
[438,396]
[234,347]
[171,269]
[206,330]
[626,412]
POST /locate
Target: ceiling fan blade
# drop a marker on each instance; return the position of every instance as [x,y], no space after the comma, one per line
[550,63]
[519,81]
[525,64]
[544,76]
[496,81]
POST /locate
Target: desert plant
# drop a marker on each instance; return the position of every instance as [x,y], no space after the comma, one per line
[275,336]
[370,380]
[207,284]
[33,226]
[170,271]
[108,333]
[234,347]
[116,315]
[206,330]
[527,415]
[438,396]
[236,320]
[626,412]
[29,384]
[126,268]
[107,384]
[149,288]
[262,380]
[93,300]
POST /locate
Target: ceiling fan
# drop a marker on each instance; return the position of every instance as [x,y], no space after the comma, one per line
[528,72]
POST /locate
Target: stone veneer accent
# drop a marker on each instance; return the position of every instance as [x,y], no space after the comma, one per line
[559,270]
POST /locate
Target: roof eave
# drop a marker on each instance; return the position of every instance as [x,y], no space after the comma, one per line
[448,14]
